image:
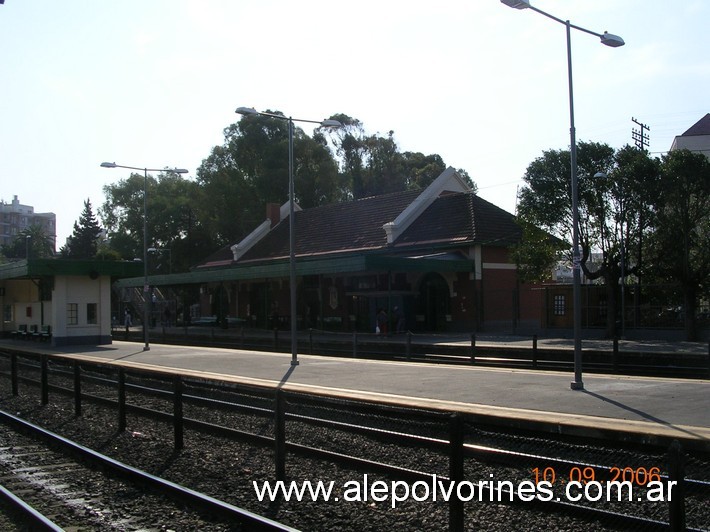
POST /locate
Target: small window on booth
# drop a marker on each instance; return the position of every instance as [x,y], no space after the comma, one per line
[92,313]
[72,314]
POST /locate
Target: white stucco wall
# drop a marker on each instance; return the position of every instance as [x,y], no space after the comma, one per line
[695,143]
[81,291]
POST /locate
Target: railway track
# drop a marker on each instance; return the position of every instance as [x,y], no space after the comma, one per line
[397,443]
[52,483]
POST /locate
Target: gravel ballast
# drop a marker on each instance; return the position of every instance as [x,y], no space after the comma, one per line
[227,469]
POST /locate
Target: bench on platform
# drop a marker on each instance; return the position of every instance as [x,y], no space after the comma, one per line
[43,334]
[21,331]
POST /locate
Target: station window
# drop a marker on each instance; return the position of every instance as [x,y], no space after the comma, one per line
[92,313]
[7,313]
[72,314]
[559,306]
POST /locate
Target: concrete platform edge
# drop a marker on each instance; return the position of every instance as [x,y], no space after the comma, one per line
[578,425]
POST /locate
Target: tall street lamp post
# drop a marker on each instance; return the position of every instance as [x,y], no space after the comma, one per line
[292,224]
[146,287]
[609,40]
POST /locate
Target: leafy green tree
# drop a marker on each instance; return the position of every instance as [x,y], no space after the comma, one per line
[251,169]
[633,193]
[546,198]
[469,180]
[124,246]
[681,229]
[122,214]
[384,172]
[221,188]
[169,197]
[32,241]
[259,146]
[545,202]
[315,171]
[421,170]
[104,251]
[372,164]
[624,195]
[84,240]
[350,148]
[536,254]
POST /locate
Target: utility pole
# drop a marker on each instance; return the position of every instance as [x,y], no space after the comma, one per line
[640,137]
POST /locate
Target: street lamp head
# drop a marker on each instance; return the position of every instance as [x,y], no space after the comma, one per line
[517,4]
[600,175]
[612,40]
[146,170]
[246,111]
[331,123]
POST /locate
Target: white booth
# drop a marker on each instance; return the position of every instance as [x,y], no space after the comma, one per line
[59,300]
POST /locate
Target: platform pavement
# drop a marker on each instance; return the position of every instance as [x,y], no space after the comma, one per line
[655,409]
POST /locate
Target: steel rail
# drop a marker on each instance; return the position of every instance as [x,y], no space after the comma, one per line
[33,519]
[478,451]
[186,495]
[472,450]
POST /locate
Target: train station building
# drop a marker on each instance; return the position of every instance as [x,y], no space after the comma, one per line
[439,259]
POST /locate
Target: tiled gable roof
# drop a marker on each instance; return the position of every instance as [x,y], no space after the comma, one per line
[454,218]
[462,217]
[448,219]
[494,226]
[221,257]
[351,226]
[444,215]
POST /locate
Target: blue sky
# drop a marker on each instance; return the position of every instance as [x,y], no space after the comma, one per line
[153,83]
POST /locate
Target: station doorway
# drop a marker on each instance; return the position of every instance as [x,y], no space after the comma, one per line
[434,303]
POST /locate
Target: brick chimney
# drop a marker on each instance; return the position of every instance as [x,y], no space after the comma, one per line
[273,213]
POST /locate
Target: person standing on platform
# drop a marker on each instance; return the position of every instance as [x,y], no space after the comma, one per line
[127,321]
[400,321]
[381,322]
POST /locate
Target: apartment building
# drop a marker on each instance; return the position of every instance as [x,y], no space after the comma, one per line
[15,218]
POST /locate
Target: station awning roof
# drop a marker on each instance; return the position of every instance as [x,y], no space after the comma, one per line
[445,262]
[34,268]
